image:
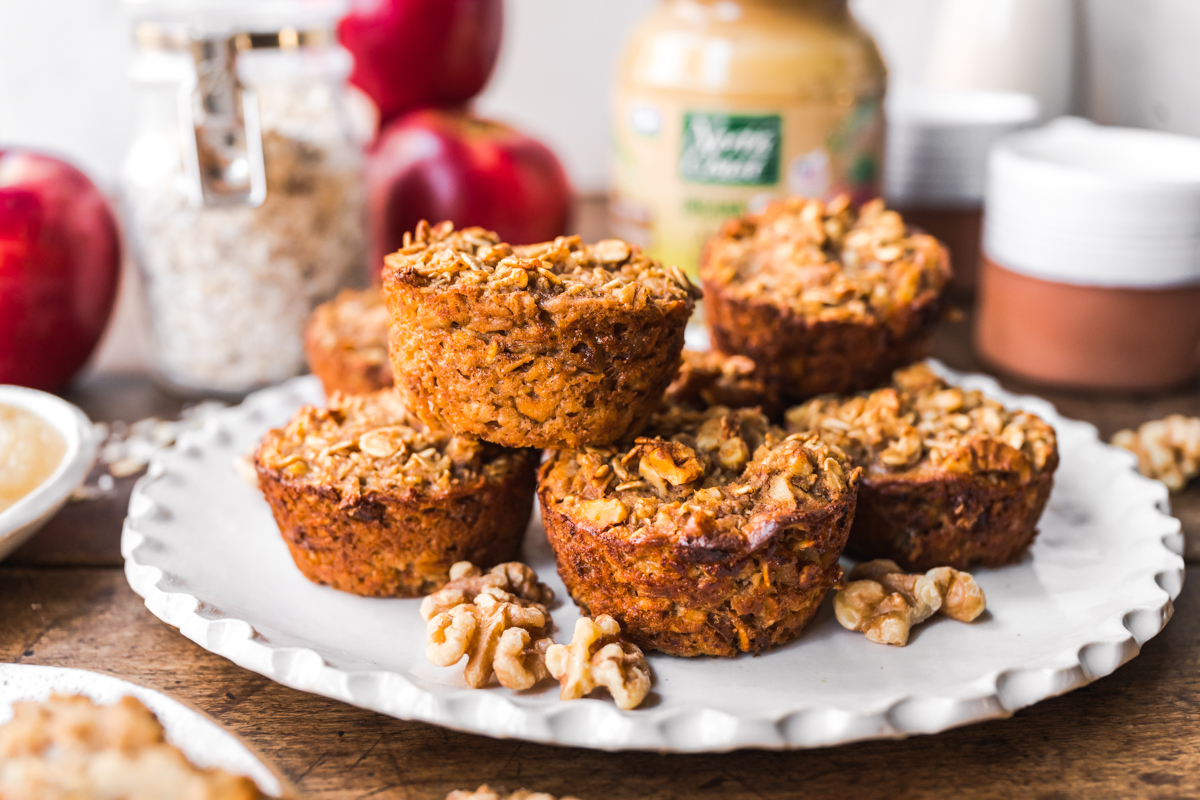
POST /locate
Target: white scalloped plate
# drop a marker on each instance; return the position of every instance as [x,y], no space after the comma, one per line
[203,741]
[202,549]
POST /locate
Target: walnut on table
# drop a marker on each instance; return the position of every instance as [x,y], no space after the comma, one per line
[1167,449]
[486,792]
[598,656]
[884,602]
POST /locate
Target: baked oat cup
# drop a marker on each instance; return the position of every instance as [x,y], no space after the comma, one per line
[371,501]
[709,378]
[345,342]
[716,533]
[950,478]
[551,345]
[823,298]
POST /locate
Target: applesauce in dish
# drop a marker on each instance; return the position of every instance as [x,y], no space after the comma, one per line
[30,450]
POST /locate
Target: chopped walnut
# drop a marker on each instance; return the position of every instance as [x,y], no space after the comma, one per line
[599,656]
[486,792]
[1167,449]
[884,602]
[467,582]
[498,635]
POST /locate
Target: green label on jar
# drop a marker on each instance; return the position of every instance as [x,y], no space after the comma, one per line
[730,149]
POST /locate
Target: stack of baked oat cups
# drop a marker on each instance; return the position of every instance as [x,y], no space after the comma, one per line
[679,493]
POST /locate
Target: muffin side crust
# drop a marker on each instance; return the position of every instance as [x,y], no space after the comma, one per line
[547,345]
[714,534]
[821,297]
[372,502]
[345,342]
[950,477]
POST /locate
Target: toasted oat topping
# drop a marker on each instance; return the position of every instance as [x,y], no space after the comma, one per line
[441,256]
[826,261]
[71,747]
[921,422]
[706,473]
[355,319]
[710,378]
[371,442]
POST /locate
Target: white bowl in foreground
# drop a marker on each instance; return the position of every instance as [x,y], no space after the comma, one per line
[20,520]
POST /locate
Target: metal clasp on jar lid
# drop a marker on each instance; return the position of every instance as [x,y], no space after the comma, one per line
[222,144]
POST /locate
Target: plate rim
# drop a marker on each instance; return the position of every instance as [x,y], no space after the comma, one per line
[597,724]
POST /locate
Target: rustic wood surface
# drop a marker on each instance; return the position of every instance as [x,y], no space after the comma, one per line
[64,601]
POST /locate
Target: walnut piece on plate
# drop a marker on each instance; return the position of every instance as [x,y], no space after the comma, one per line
[599,656]
[486,792]
[884,602]
[467,582]
[1167,449]
[497,632]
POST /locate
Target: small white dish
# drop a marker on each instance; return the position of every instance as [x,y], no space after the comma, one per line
[22,519]
[203,741]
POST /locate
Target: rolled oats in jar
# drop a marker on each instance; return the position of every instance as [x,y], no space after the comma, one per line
[242,193]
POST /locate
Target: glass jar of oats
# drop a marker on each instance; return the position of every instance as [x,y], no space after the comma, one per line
[241,191]
[723,105]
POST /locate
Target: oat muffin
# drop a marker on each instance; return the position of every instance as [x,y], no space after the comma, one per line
[70,748]
[710,378]
[371,501]
[716,533]
[823,298]
[346,343]
[950,477]
[550,345]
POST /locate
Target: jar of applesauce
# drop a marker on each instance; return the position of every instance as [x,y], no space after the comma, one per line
[723,105]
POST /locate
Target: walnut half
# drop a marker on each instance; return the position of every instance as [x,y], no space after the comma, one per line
[467,582]
[1167,449]
[498,635]
[884,602]
[486,792]
[599,656]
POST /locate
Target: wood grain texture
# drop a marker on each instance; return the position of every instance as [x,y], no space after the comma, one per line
[1132,734]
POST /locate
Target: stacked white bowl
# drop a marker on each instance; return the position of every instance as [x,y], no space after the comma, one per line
[938,141]
[1081,203]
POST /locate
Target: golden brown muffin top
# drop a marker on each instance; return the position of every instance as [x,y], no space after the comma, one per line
[356,319]
[826,262]
[68,747]
[370,442]
[611,270]
[708,476]
[920,424]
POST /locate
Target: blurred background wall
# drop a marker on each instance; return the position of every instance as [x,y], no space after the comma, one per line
[1135,62]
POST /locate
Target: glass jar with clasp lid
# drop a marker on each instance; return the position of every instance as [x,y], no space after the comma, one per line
[242,189]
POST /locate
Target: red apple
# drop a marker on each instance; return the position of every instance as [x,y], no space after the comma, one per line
[59,265]
[411,54]
[442,164]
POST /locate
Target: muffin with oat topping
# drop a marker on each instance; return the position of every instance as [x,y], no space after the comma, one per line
[715,533]
[346,343]
[68,747]
[708,378]
[823,298]
[950,477]
[372,502]
[550,345]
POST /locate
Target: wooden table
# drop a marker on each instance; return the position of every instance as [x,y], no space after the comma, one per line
[64,601]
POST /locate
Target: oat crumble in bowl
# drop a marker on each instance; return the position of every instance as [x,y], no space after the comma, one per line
[345,342]
[822,297]
[950,477]
[550,345]
[372,502]
[715,533]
